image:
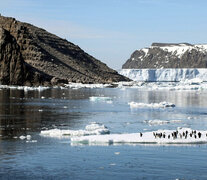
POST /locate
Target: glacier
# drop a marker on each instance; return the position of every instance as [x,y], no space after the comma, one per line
[165,75]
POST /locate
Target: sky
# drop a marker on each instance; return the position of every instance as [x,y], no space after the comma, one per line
[111,30]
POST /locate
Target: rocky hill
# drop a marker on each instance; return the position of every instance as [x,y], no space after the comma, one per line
[165,55]
[32,56]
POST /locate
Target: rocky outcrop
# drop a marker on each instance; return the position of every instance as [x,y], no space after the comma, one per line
[33,56]
[168,55]
[13,69]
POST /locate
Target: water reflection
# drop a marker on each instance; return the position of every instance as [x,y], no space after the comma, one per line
[22,111]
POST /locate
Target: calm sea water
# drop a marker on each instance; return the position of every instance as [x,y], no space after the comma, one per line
[27,113]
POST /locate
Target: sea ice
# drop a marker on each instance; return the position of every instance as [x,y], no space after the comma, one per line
[151,105]
[178,136]
[92,129]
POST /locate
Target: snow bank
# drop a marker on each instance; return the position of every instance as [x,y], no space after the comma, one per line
[179,136]
[164,75]
[92,129]
[151,105]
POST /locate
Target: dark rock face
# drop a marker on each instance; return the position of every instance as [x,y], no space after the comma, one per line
[41,58]
[12,70]
[168,55]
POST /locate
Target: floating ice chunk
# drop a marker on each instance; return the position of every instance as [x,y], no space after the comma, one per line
[151,105]
[100,98]
[80,85]
[92,129]
[178,136]
[117,153]
[194,81]
[161,122]
[31,141]
[28,137]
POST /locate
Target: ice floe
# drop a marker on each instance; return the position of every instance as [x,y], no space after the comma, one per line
[91,129]
[151,105]
[178,136]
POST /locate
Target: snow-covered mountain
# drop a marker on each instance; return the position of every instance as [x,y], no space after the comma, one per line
[165,55]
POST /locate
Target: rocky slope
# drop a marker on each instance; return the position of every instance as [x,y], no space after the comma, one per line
[32,56]
[164,55]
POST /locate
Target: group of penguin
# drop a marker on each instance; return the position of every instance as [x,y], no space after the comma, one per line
[175,134]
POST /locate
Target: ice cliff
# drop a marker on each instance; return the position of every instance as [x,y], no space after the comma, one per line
[165,75]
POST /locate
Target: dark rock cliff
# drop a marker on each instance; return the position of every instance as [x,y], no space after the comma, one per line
[33,56]
[168,55]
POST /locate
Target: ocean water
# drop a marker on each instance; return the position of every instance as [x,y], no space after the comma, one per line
[26,154]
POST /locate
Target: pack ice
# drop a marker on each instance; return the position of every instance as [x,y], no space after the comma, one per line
[91,129]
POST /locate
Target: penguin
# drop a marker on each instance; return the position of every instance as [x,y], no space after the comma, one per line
[140,134]
[163,135]
[190,134]
[169,136]
[199,134]
[195,136]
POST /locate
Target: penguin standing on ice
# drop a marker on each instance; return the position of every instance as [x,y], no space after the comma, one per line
[141,134]
[199,134]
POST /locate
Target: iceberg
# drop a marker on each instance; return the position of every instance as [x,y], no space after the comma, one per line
[91,129]
[151,105]
[178,136]
[165,75]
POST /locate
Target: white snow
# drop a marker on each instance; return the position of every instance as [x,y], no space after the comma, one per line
[165,75]
[179,49]
[183,136]
[151,105]
[92,129]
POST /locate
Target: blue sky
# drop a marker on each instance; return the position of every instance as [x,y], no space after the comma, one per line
[111,30]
